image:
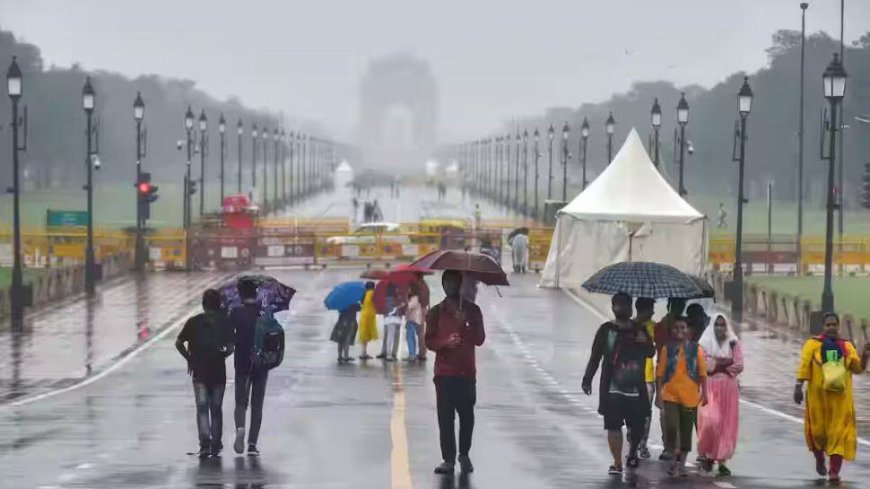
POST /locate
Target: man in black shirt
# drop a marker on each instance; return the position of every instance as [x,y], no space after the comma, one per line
[621,348]
[250,381]
[209,342]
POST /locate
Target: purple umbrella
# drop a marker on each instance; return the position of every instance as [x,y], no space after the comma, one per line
[271,294]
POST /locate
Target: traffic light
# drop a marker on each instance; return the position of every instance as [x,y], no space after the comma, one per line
[147,195]
[865,194]
[191,187]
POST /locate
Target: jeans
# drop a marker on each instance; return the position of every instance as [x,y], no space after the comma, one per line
[209,414]
[252,384]
[411,336]
[455,395]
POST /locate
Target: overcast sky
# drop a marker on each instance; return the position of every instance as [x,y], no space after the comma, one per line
[493,59]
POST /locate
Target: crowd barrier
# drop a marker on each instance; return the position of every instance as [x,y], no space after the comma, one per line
[782,254]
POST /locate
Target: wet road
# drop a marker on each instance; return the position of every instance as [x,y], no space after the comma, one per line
[370,425]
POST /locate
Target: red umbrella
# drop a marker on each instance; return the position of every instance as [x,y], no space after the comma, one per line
[413,269]
[380,295]
[480,266]
[394,276]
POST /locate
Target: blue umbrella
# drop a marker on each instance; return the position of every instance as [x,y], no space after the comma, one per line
[345,295]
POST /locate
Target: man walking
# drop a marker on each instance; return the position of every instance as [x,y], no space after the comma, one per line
[621,347]
[205,341]
[454,330]
[250,381]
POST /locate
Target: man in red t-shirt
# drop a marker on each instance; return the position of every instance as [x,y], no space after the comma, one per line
[454,329]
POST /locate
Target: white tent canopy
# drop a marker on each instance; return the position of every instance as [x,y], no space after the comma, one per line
[629,212]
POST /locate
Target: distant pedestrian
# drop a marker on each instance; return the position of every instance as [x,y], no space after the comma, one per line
[645,308]
[827,364]
[392,324]
[368,322]
[722,216]
[367,212]
[681,387]
[344,332]
[455,329]
[520,252]
[205,341]
[621,347]
[414,321]
[718,421]
[250,379]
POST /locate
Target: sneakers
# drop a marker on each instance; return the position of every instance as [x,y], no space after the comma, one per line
[643,452]
[204,452]
[444,468]
[724,471]
[465,465]
[381,356]
[614,470]
[239,444]
[216,450]
[632,461]
[252,451]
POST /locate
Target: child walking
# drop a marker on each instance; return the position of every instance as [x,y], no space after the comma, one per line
[681,387]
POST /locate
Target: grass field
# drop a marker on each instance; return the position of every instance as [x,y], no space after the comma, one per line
[850,293]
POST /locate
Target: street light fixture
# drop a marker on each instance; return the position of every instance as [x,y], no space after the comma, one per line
[14,90]
[834,89]
[565,156]
[550,134]
[222,127]
[537,172]
[88,102]
[517,171]
[744,105]
[682,120]
[584,141]
[138,116]
[656,119]
[203,125]
[526,172]
[609,127]
[240,131]
[188,186]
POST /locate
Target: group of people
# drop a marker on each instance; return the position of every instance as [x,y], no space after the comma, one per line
[452,329]
[690,372]
[686,369]
[205,341]
[412,308]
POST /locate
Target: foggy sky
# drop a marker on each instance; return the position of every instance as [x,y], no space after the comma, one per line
[493,59]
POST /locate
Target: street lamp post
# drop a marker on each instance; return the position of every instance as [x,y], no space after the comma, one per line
[14,89]
[526,172]
[682,120]
[744,105]
[291,142]
[800,189]
[254,135]
[222,127]
[584,139]
[834,85]
[517,171]
[188,184]
[284,167]
[537,172]
[240,130]
[656,119]
[276,140]
[139,251]
[550,132]
[609,127]
[565,131]
[203,125]
[88,103]
[264,136]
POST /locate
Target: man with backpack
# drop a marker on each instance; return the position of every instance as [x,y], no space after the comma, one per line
[259,342]
[621,347]
[205,341]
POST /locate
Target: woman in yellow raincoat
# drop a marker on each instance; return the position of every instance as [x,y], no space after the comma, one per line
[368,323]
[827,364]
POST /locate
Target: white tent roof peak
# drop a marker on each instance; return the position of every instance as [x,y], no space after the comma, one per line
[344,167]
[631,189]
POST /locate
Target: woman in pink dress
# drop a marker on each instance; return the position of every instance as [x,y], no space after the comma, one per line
[718,421]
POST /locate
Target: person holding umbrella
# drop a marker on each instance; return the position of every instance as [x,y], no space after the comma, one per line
[346,298]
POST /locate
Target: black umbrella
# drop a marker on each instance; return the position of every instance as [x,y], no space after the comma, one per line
[643,279]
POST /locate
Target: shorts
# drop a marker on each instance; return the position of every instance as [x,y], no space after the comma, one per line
[621,412]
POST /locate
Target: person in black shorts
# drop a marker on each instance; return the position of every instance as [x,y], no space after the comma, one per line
[621,348]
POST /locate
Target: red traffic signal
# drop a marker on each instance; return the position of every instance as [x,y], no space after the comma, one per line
[144,188]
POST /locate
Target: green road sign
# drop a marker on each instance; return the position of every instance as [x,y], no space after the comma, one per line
[66,218]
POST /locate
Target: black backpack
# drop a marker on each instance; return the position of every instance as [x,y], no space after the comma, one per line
[268,342]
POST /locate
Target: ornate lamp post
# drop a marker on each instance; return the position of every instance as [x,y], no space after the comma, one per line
[222,127]
[682,120]
[188,186]
[609,127]
[565,156]
[550,135]
[537,173]
[656,120]
[526,172]
[203,125]
[139,251]
[88,102]
[584,141]
[240,131]
[834,86]
[744,105]
[254,135]
[14,90]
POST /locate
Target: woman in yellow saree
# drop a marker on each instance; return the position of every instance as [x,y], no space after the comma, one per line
[827,364]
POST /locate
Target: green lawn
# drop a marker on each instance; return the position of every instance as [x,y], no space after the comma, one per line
[850,293]
[6,275]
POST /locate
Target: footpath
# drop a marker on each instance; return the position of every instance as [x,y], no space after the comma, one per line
[65,344]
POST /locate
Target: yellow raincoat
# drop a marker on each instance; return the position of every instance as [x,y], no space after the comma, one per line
[829,417]
[368,323]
